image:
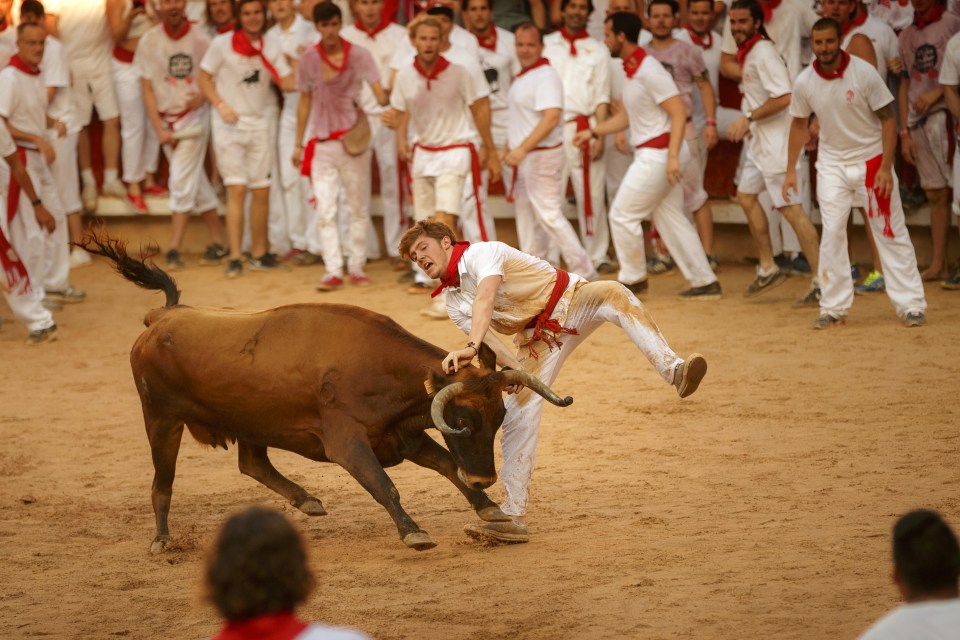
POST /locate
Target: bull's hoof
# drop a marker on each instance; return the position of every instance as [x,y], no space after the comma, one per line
[159,544]
[312,507]
[419,540]
[493,514]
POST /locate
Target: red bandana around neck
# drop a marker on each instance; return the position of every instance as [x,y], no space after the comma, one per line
[277,626]
[488,40]
[933,15]
[243,46]
[438,68]
[768,8]
[704,42]
[346,55]
[836,73]
[179,33]
[18,63]
[3,24]
[854,22]
[452,279]
[372,33]
[542,62]
[572,38]
[744,49]
[632,62]
[230,26]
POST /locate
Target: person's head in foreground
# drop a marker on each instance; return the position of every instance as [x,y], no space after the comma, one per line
[926,557]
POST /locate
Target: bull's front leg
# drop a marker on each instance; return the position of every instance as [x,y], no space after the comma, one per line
[361,463]
[433,456]
[254,462]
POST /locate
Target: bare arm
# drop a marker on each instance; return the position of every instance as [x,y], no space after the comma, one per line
[481,118]
[861,47]
[480,319]
[381,94]
[548,121]
[907,146]
[678,122]
[304,105]
[118,23]
[709,100]
[19,173]
[150,106]
[730,68]
[798,136]
[403,145]
[614,124]
[538,13]
[209,89]
[884,180]
[52,22]
[952,97]
[288,83]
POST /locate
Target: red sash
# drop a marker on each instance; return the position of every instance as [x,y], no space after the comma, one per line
[572,38]
[583,124]
[311,148]
[441,64]
[542,322]
[873,196]
[744,49]
[243,46]
[474,171]
[13,268]
[513,180]
[452,279]
[277,626]
[838,72]
[662,141]
[121,54]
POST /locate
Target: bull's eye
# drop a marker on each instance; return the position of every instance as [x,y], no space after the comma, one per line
[462,423]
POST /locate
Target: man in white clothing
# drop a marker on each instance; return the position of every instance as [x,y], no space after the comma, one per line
[550,312]
[854,169]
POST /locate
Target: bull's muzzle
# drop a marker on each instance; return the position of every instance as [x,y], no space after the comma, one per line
[476,482]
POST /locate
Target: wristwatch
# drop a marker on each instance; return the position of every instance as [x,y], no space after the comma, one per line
[749,116]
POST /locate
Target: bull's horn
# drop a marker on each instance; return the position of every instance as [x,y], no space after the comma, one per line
[512,376]
[439,402]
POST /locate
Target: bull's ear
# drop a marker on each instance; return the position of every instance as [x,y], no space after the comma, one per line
[488,359]
[434,383]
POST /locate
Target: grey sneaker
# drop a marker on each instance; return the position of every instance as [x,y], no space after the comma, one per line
[266,262]
[710,291]
[811,298]
[688,374]
[234,269]
[174,260]
[213,255]
[658,266]
[51,305]
[42,336]
[714,262]
[952,283]
[914,319]
[827,321]
[510,532]
[761,283]
[70,295]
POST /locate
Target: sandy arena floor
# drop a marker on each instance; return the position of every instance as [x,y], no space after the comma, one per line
[759,508]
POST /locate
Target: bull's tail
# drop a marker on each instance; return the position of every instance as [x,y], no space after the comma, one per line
[139,272]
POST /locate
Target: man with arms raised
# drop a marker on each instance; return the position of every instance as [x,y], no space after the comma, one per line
[491,285]
[854,169]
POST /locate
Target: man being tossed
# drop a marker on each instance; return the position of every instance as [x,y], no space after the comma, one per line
[491,285]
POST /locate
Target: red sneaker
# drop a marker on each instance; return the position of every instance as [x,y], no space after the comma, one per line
[359,280]
[156,190]
[293,253]
[138,203]
[330,282]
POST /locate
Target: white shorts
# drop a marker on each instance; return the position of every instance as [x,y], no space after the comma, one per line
[96,91]
[437,193]
[243,156]
[754,182]
[933,143]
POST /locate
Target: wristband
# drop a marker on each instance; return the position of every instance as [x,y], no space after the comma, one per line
[471,345]
[711,123]
[904,132]
[593,135]
[37,202]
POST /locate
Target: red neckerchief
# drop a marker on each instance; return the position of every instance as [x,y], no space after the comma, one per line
[768,8]
[346,55]
[632,62]
[3,24]
[542,62]
[18,63]
[452,279]
[703,43]
[278,626]
[744,49]
[933,15]
[488,40]
[854,22]
[372,33]
[230,26]
[838,73]
[441,64]
[243,46]
[176,35]
[572,38]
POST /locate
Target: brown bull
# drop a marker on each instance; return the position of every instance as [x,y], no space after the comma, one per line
[333,383]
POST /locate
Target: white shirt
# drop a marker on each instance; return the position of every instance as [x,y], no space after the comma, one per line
[8,43]
[243,82]
[531,94]
[56,75]
[850,131]
[897,15]
[382,47]
[934,620]
[586,76]
[883,38]
[499,66]
[527,284]
[791,22]
[84,34]
[459,38]
[23,102]
[172,67]
[950,69]
[711,58]
[7,146]
[293,42]
[642,95]
[765,76]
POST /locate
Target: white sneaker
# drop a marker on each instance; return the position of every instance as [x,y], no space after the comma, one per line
[89,198]
[79,258]
[114,188]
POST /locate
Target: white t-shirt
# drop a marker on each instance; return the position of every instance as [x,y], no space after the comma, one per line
[243,82]
[527,284]
[56,74]
[586,76]
[791,22]
[530,95]
[8,44]
[499,66]
[950,70]
[84,34]
[466,58]
[172,67]
[23,102]
[642,96]
[7,146]
[898,16]
[382,47]
[935,620]
[326,632]
[293,43]
[765,76]
[850,131]
[459,38]
[883,39]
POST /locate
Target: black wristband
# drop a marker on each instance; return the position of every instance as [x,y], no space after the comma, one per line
[36,202]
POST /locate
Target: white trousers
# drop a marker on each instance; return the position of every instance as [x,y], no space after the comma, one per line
[64,170]
[190,189]
[469,223]
[538,207]
[383,143]
[293,188]
[278,237]
[31,242]
[139,149]
[840,188]
[593,304]
[617,165]
[333,167]
[597,244]
[644,193]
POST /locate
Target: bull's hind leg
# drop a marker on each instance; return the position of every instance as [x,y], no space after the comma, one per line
[164,436]
[433,456]
[254,462]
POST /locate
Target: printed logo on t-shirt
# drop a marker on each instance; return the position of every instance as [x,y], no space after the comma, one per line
[925,62]
[252,77]
[493,79]
[180,66]
[850,96]
[669,68]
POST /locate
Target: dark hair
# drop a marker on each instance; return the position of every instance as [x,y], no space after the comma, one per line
[32,8]
[627,23]
[324,11]
[430,228]
[465,3]
[674,7]
[257,566]
[690,2]
[233,11]
[529,26]
[440,10]
[756,12]
[925,552]
[828,23]
[23,26]
[564,3]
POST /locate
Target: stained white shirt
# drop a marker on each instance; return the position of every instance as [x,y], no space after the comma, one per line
[586,76]
[642,95]
[530,95]
[382,47]
[172,67]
